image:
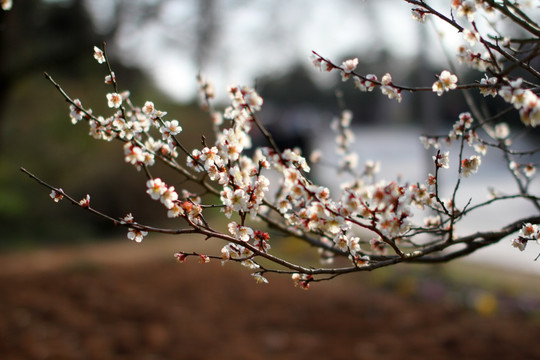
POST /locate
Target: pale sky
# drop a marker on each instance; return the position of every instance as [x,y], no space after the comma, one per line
[264,37]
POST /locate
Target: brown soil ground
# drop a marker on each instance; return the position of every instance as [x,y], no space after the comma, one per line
[118,301]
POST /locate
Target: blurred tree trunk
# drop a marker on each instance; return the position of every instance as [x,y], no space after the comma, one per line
[206,31]
[36,36]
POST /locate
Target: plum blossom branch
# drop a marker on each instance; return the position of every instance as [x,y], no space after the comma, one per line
[59,194]
[368,222]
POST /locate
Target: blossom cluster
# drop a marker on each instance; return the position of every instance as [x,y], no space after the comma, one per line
[244,186]
[462,129]
[522,170]
[384,208]
[466,8]
[446,82]
[56,195]
[529,232]
[301,280]
[512,91]
[363,83]
[241,253]
[131,124]
[524,100]
[187,207]
[481,61]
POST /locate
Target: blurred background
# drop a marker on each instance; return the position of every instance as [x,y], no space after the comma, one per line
[157,48]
